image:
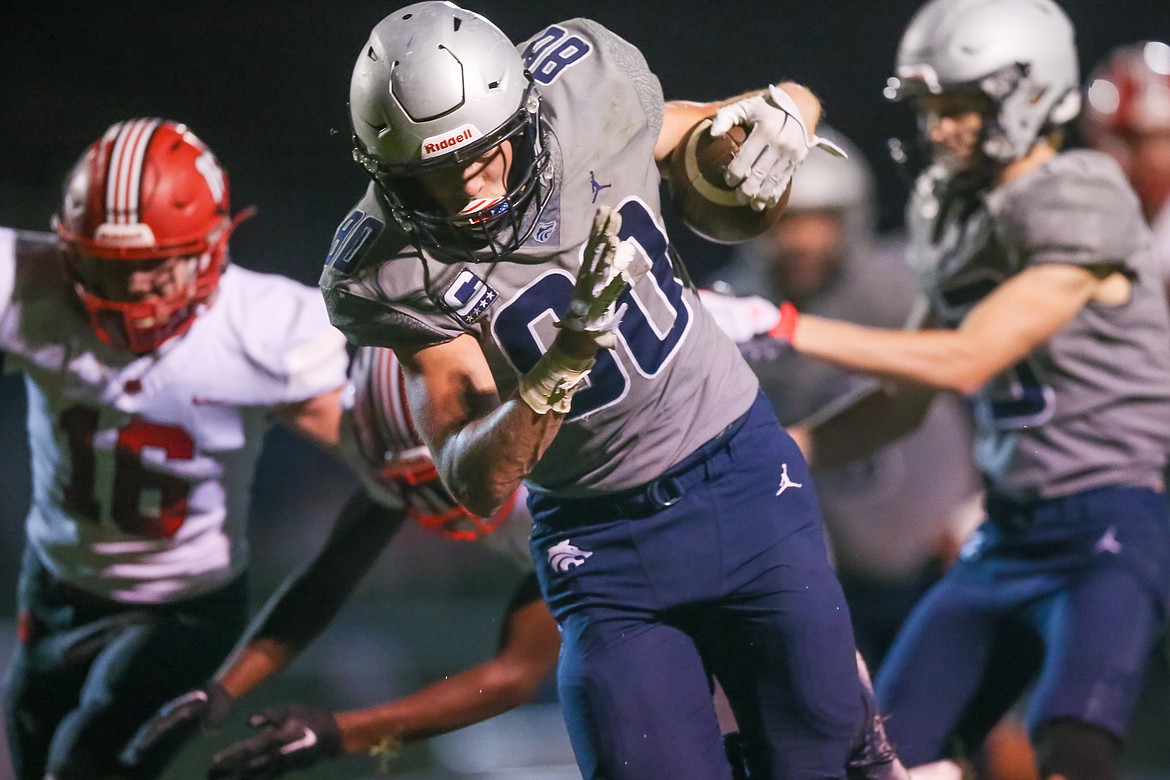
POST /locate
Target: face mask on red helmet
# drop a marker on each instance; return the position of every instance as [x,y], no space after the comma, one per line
[378,435]
[145,221]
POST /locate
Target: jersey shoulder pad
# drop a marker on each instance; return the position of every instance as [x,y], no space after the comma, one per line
[373,283]
[366,236]
[283,328]
[572,60]
[1077,208]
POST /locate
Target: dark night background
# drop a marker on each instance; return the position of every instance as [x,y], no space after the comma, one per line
[265,84]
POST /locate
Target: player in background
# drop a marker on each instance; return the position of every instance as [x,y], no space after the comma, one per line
[1127,116]
[153,367]
[1051,316]
[510,250]
[890,531]
[400,485]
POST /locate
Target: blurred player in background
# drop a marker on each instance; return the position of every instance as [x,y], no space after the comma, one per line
[891,532]
[1052,317]
[510,250]
[153,368]
[1127,116]
[401,485]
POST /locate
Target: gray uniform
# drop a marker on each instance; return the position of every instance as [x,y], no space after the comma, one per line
[1091,407]
[645,408]
[714,562]
[885,519]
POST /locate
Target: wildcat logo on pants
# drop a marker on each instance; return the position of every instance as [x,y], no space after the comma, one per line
[563,556]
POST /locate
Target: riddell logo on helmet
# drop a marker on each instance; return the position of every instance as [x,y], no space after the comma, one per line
[133,236]
[448,142]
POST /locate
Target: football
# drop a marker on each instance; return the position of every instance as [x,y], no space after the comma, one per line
[706,204]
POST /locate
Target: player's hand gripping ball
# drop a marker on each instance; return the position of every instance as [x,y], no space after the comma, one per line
[706,203]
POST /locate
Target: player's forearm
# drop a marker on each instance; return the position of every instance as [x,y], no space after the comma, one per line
[942,359]
[256,662]
[472,696]
[528,654]
[307,601]
[485,462]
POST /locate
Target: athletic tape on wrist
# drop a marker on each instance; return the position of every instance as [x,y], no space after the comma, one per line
[551,383]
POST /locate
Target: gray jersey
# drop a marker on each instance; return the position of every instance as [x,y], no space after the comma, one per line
[1092,406]
[890,512]
[673,382]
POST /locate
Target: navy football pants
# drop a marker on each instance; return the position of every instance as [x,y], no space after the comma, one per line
[1069,593]
[91,671]
[730,577]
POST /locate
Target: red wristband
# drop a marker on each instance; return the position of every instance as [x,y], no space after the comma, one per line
[785,329]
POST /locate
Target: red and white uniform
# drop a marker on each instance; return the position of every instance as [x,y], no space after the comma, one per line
[379,439]
[142,465]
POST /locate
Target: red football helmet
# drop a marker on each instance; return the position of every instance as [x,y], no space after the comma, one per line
[1127,115]
[147,199]
[395,454]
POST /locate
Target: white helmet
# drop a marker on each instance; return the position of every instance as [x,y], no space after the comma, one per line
[1019,53]
[826,181]
[435,86]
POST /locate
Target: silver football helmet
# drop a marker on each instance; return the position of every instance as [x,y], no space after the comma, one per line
[436,86]
[1019,53]
[826,182]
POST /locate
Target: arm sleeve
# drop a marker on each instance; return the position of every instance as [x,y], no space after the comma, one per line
[308,600]
[368,323]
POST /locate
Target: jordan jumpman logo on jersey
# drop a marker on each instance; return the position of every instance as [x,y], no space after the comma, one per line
[597,188]
[785,481]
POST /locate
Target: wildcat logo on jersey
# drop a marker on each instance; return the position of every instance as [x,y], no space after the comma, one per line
[544,232]
[469,297]
[563,556]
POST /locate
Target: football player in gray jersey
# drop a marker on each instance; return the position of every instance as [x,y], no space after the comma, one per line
[1051,317]
[510,249]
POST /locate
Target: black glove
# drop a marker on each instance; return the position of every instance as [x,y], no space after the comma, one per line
[203,709]
[872,757]
[291,736]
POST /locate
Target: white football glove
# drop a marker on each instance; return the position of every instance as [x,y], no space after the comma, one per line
[777,144]
[607,265]
[740,317]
